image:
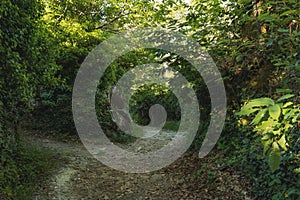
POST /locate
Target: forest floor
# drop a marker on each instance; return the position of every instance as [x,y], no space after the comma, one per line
[80,176]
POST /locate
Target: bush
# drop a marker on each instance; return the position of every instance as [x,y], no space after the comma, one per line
[244,152]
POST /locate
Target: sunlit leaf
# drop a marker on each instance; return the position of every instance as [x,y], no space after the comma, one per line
[287,104]
[266,125]
[275,146]
[262,102]
[282,142]
[284,97]
[266,137]
[259,116]
[275,111]
[250,107]
[278,132]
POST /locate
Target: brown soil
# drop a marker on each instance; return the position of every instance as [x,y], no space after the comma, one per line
[83,177]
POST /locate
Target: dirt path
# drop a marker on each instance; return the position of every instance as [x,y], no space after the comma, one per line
[83,177]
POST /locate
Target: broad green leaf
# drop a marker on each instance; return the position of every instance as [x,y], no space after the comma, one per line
[266,125]
[248,108]
[285,111]
[262,102]
[274,159]
[284,97]
[275,146]
[259,116]
[278,132]
[282,142]
[287,104]
[275,111]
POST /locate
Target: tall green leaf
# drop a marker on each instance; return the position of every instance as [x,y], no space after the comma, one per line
[275,111]
[259,116]
[274,160]
[284,97]
[274,157]
[282,142]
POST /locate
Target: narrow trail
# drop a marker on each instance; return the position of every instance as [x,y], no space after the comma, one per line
[83,177]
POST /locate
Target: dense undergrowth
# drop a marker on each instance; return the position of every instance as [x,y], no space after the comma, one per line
[21,174]
[244,152]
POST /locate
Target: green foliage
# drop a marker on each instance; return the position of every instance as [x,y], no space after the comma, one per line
[26,63]
[243,151]
[20,175]
[273,122]
[147,96]
[255,44]
[171,125]
[77,27]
